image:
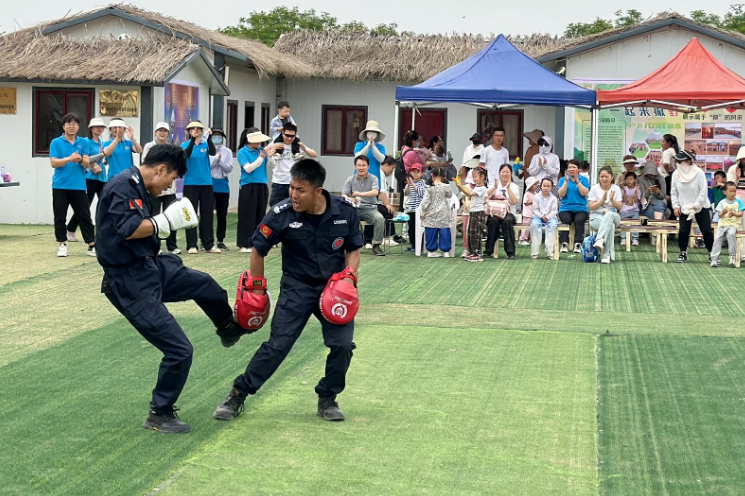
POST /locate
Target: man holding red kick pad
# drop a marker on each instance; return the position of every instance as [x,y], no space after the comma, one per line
[321,242]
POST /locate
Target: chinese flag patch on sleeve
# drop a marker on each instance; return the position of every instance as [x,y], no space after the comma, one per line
[134,204]
[265,231]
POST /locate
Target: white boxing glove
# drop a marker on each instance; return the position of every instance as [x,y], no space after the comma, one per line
[179,215]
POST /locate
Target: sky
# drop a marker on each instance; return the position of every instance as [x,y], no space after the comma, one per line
[432,16]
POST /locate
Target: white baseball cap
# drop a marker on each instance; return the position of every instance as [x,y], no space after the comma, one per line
[96,122]
[162,125]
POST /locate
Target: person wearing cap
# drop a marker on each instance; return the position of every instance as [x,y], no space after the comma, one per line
[198,186]
[533,150]
[370,146]
[221,164]
[630,164]
[95,174]
[283,153]
[474,148]
[168,196]
[546,163]
[120,147]
[254,189]
[67,155]
[415,189]
[690,199]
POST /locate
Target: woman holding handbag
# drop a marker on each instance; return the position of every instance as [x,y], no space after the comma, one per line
[501,208]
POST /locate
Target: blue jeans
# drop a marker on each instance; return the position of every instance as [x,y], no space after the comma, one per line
[438,237]
[630,215]
[657,206]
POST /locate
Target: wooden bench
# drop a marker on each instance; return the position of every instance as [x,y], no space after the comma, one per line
[523,225]
[695,236]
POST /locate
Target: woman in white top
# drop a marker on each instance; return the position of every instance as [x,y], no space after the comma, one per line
[669,149]
[545,163]
[690,198]
[605,203]
[505,189]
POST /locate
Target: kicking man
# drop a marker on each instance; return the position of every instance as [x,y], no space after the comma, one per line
[321,243]
[138,282]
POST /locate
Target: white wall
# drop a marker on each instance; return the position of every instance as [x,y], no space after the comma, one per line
[246,86]
[308,96]
[31,203]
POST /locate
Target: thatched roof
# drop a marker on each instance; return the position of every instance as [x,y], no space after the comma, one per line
[652,23]
[406,58]
[265,60]
[30,56]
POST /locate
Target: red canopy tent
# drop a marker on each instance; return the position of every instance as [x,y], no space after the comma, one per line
[692,80]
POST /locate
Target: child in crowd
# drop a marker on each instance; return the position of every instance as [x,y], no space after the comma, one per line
[283,117]
[415,189]
[531,185]
[584,169]
[437,216]
[545,211]
[730,212]
[476,213]
[631,200]
[716,191]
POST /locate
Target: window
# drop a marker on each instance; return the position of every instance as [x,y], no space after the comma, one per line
[429,123]
[511,121]
[232,133]
[341,128]
[266,119]
[249,118]
[50,105]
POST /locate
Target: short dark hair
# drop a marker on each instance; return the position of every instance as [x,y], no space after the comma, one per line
[573,161]
[309,170]
[363,158]
[388,160]
[69,118]
[629,174]
[498,128]
[283,104]
[729,183]
[547,179]
[289,127]
[720,173]
[172,156]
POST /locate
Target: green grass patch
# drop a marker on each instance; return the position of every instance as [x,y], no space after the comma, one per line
[670,415]
[430,411]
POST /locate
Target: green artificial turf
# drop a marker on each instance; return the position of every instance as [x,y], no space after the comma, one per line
[671,415]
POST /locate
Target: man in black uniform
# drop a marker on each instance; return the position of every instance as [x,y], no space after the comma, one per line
[137,281]
[320,236]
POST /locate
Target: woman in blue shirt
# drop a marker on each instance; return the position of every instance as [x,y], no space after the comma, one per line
[95,175]
[66,156]
[198,186]
[119,149]
[573,190]
[254,192]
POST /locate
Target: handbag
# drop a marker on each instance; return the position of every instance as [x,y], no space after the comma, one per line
[497,206]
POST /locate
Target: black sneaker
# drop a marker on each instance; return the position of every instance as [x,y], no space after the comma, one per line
[230,334]
[222,246]
[166,421]
[511,257]
[231,407]
[683,258]
[328,409]
[377,251]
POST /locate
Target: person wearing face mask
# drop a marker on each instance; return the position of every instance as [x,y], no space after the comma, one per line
[690,198]
[474,148]
[546,163]
[370,146]
[221,164]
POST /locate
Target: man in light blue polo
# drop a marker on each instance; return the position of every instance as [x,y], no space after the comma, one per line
[68,156]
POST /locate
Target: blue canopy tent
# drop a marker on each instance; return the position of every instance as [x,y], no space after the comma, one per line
[498,76]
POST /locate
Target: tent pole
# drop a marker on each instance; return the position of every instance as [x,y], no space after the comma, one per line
[395,129]
[413,116]
[594,147]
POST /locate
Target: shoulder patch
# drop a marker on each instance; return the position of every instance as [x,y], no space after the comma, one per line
[265,231]
[283,205]
[135,179]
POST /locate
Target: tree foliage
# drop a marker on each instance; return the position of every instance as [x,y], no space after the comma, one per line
[267,27]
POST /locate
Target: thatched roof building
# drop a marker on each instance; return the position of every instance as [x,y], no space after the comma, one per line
[265,60]
[29,56]
[411,58]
